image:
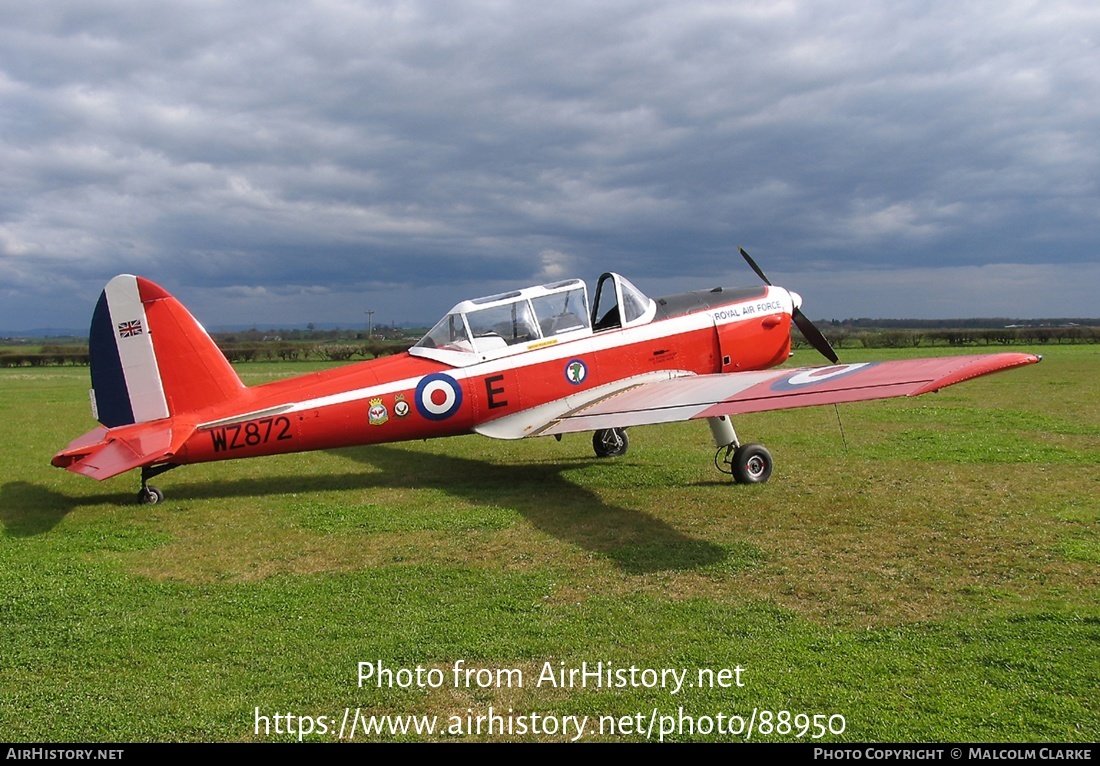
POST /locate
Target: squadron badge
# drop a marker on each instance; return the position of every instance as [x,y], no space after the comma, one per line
[400,406]
[377,414]
[575,371]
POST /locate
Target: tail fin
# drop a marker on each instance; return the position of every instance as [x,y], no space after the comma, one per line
[150,359]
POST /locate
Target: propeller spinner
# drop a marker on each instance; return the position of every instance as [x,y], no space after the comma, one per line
[805,326]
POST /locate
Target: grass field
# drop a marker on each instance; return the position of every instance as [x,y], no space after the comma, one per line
[929,575]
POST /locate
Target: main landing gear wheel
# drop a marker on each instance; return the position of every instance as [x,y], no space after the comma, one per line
[150,495]
[751,464]
[610,442]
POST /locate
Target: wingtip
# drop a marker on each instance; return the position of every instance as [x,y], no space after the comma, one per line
[977,366]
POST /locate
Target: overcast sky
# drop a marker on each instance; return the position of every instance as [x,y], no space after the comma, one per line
[307,160]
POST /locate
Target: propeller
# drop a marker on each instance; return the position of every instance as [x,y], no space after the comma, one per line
[807,328]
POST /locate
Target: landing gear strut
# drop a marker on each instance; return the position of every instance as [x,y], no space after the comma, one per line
[148,494]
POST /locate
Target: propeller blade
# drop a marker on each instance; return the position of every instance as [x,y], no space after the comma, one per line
[813,335]
[759,272]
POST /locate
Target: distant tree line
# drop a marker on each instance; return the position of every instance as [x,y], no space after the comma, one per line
[253,351]
[311,334]
[848,337]
[342,346]
[294,351]
[47,355]
[975,323]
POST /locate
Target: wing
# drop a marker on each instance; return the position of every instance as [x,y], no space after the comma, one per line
[671,399]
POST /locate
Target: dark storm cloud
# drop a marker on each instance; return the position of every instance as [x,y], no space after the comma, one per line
[280,161]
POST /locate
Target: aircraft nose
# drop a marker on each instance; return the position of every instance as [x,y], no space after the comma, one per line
[796,299]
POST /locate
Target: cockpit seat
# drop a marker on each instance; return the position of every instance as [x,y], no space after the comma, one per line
[560,323]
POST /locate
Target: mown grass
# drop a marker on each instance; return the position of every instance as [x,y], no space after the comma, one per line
[930,573]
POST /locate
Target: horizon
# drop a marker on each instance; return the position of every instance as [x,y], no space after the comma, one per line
[44,333]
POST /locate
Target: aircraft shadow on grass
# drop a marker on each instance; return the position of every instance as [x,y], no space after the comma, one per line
[635,541]
[28,509]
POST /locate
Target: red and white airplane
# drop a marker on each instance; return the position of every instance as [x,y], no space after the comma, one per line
[533,362]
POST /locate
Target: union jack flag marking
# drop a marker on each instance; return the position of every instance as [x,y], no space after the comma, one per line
[129,329]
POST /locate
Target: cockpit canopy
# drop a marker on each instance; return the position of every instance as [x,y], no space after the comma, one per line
[620,304]
[507,323]
[522,320]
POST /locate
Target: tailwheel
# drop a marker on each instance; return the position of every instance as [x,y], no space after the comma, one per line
[610,442]
[751,464]
[149,495]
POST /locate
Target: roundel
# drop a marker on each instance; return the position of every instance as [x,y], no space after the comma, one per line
[818,375]
[438,396]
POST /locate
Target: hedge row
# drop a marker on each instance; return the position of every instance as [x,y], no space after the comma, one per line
[288,351]
[1007,336]
[43,359]
[234,352]
[292,352]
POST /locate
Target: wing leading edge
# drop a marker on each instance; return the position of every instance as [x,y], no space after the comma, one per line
[738,393]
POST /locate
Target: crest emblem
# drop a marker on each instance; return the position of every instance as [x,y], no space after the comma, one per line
[377,414]
[575,371]
[400,406]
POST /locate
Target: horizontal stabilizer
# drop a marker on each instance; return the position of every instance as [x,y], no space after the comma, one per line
[103,453]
